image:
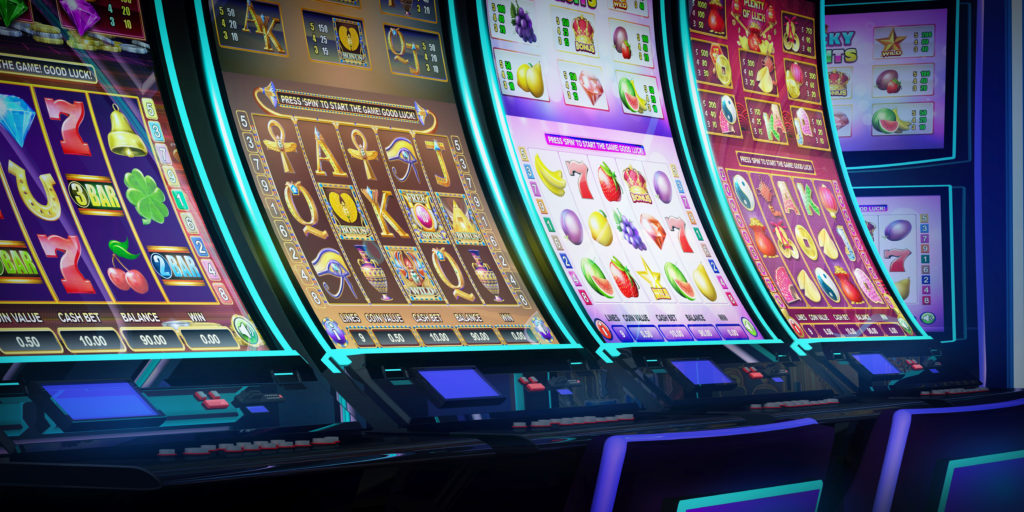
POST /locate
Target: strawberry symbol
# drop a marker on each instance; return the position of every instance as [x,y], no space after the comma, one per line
[893,86]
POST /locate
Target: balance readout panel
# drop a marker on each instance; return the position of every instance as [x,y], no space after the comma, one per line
[757,77]
[354,143]
[102,246]
[585,113]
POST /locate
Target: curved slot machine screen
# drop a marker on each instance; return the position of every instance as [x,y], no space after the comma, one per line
[354,143]
[103,247]
[583,111]
[755,75]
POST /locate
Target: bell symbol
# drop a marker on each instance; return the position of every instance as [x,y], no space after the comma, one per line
[122,139]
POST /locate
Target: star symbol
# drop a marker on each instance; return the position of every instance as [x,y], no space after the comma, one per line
[653,278]
[892,43]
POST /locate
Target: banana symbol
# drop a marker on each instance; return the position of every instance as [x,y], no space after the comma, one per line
[553,180]
[48,211]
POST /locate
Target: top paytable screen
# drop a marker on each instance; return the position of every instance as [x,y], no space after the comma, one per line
[888,80]
[758,80]
[103,247]
[585,110]
[347,117]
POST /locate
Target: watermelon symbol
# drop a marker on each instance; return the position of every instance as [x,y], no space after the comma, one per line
[628,96]
[678,281]
[595,278]
[887,121]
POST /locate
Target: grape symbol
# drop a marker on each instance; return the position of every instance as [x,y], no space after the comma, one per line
[523,23]
[629,232]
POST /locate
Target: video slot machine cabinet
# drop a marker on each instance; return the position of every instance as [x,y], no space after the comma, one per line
[129,322]
[593,173]
[915,186]
[755,81]
[342,138]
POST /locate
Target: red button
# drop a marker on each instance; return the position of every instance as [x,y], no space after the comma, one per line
[215,403]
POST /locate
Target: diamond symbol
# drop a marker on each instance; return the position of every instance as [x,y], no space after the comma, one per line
[16,117]
[82,13]
[11,9]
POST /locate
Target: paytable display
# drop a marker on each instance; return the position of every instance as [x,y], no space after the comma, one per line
[756,68]
[585,111]
[887,76]
[909,236]
[103,247]
[355,146]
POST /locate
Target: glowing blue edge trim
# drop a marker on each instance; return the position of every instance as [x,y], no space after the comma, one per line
[200,172]
[613,454]
[956,88]
[799,345]
[972,461]
[606,351]
[897,443]
[695,187]
[750,495]
[333,358]
[952,252]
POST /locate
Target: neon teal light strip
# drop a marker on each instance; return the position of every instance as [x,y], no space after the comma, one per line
[800,346]
[972,461]
[753,494]
[949,243]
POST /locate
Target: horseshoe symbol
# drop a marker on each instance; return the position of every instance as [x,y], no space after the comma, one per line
[50,210]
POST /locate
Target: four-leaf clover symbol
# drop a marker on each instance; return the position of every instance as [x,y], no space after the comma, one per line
[146,196]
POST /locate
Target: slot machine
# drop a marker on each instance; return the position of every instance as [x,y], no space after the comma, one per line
[836,281]
[131,324]
[595,169]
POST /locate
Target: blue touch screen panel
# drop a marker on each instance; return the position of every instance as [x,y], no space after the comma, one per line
[702,373]
[801,497]
[100,401]
[459,384]
[877,364]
